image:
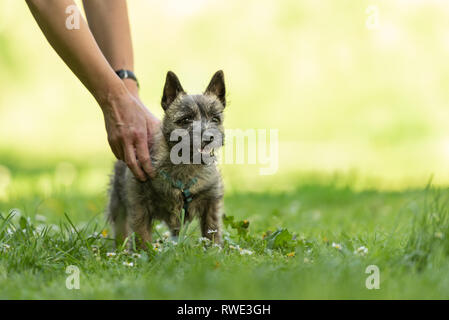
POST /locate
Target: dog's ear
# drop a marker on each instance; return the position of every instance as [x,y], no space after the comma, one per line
[171,90]
[217,87]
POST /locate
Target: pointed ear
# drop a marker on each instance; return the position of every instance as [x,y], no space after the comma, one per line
[171,90]
[217,87]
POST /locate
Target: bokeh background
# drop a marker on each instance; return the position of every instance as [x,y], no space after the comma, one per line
[368,105]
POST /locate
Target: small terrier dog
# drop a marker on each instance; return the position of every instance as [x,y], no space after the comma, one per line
[182,189]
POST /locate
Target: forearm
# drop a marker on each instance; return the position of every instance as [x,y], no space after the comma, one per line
[128,123]
[109,23]
[78,49]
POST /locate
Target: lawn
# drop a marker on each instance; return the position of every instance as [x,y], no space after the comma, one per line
[361,114]
[314,241]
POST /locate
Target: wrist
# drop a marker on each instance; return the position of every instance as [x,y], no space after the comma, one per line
[114,92]
[132,87]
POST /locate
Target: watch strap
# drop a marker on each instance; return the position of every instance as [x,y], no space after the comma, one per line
[127,74]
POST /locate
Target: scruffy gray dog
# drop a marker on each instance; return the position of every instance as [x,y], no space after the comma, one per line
[190,188]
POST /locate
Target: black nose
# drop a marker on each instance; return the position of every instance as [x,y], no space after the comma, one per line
[206,142]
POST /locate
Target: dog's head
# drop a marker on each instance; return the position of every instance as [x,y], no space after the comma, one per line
[193,124]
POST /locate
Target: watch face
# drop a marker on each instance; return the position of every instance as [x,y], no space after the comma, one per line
[126,74]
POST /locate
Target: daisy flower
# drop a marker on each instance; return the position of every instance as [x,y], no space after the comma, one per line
[246,251]
[166,234]
[128,264]
[336,245]
[203,240]
[111,254]
[156,245]
[40,218]
[361,250]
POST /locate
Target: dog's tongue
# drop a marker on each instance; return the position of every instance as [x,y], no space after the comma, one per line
[205,150]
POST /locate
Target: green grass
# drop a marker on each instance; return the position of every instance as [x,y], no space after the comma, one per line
[290,235]
[344,98]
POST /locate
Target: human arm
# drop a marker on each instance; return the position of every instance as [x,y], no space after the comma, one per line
[126,118]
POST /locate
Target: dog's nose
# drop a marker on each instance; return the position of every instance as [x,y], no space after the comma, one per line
[206,142]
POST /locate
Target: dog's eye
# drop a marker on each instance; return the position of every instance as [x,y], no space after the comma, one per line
[216,119]
[185,120]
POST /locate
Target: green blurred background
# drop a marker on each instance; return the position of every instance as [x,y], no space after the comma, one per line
[370,105]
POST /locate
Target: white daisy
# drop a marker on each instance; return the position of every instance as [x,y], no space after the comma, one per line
[203,239]
[336,245]
[361,250]
[40,218]
[246,251]
[55,228]
[166,234]
[111,254]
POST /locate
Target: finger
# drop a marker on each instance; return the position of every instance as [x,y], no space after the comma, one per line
[149,137]
[117,151]
[143,155]
[151,130]
[120,148]
[131,162]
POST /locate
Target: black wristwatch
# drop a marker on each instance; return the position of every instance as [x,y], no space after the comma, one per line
[127,74]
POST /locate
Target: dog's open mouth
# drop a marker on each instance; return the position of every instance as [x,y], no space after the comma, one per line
[207,154]
[206,151]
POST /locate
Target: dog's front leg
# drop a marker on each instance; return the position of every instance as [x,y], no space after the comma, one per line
[140,223]
[174,224]
[210,219]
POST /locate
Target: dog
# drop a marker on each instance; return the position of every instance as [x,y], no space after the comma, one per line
[181,190]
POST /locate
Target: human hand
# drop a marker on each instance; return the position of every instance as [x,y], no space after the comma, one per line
[130,127]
